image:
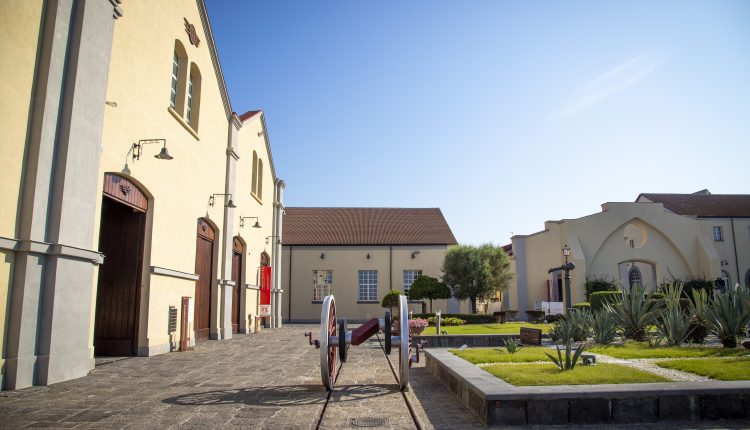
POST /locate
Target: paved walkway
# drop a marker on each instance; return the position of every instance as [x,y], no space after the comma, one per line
[270,380]
[266,381]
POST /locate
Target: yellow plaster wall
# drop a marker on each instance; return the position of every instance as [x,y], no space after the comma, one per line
[170,293]
[345,263]
[139,83]
[251,138]
[19,37]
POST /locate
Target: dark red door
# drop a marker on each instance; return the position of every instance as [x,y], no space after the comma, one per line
[204,257]
[237,252]
[121,236]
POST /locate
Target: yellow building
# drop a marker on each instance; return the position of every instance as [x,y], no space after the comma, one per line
[358,255]
[139,213]
[658,238]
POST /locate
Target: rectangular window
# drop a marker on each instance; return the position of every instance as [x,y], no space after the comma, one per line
[190,99]
[718,234]
[368,285]
[409,277]
[322,284]
[175,73]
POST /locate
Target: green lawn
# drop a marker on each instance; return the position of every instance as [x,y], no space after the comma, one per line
[500,355]
[642,350]
[729,369]
[549,374]
[507,328]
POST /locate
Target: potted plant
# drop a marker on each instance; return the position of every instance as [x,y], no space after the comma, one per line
[417,326]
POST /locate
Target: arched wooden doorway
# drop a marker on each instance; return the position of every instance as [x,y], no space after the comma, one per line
[118,292]
[204,261]
[238,251]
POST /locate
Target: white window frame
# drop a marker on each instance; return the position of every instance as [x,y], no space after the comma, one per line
[718,233]
[634,271]
[324,289]
[175,78]
[410,275]
[189,104]
[368,286]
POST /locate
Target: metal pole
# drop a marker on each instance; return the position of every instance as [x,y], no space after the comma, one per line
[567,289]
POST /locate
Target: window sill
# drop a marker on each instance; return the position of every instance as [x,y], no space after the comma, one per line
[256,197]
[183,123]
[317,302]
[368,302]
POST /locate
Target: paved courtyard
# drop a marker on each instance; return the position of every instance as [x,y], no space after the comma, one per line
[270,380]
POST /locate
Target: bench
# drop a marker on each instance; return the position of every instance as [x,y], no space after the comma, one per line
[531,336]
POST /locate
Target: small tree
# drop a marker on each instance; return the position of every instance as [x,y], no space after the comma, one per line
[391,300]
[476,272]
[427,287]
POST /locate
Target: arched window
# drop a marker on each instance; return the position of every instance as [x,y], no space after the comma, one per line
[192,113]
[254,186]
[260,179]
[634,276]
[179,76]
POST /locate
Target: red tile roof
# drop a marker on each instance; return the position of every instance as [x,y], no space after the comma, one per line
[249,114]
[366,226]
[703,205]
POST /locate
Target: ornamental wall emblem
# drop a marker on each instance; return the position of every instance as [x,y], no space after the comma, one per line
[192,33]
[125,189]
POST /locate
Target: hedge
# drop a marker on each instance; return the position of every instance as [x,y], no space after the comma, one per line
[582,305]
[599,298]
[469,318]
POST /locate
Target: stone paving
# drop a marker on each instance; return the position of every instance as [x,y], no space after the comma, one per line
[269,380]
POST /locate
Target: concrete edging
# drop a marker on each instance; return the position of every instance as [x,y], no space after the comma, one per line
[495,402]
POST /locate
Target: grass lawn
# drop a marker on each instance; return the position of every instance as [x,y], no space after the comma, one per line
[729,369]
[500,355]
[642,350]
[507,328]
[549,374]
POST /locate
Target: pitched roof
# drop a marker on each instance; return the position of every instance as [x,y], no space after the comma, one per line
[703,205]
[366,226]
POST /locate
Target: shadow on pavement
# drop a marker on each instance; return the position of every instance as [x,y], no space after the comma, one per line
[292,395]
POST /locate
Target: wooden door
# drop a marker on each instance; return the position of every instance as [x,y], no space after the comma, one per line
[121,237]
[204,257]
[237,253]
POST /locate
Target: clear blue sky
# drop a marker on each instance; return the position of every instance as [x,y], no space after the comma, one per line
[503,114]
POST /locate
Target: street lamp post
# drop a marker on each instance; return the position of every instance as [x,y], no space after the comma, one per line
[566,268]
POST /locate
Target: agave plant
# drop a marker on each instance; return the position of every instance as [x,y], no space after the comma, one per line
[582,320]
[512,346]
[562,330]
[728,314]
[699,326]
[567,362]
[672,321]
[633,312]
[604,327]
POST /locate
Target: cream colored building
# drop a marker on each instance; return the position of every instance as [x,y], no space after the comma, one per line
[135,202]
[358,255]
[658,238]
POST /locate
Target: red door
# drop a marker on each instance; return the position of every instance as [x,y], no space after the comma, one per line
[237,252]
[204,257]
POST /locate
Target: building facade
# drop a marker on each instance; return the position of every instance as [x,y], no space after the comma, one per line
[358,255]
[658,238]
[139,210]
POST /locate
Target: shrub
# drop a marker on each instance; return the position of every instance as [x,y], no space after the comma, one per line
[445,321]
[604,327]
[727,315]
[633,313]
[552,318]
[600,298]
[469,318]
[512,346]
[581,320]
[693,284]
[427,287]
[567,362]
[673,320]
[582,306]
[391,300]
[535,315]
[594,285]
[417,325]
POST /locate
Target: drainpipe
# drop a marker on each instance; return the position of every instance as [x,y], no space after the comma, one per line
[278,220]
[734,243]
[289,294]
[390,267]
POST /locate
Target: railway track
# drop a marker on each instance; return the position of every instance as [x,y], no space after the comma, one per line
[369,397]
